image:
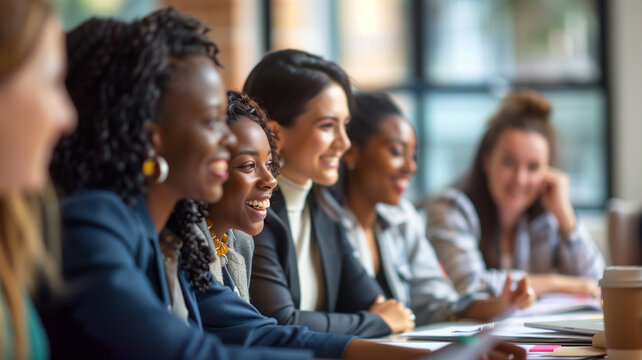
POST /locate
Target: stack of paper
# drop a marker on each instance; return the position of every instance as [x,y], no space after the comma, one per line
[515,334]
[560,303]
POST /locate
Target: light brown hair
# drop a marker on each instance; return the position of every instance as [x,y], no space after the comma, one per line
[525,110]
[23,255]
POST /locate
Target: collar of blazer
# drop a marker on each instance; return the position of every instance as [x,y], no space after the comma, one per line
[322,227]
[142,212]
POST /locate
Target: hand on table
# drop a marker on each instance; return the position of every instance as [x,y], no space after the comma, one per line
[505,351]
[565,284]
[510,300]
[397,316]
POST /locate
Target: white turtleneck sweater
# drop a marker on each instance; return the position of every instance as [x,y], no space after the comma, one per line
[307,251]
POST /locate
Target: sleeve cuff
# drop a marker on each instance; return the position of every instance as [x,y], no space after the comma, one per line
[328,345]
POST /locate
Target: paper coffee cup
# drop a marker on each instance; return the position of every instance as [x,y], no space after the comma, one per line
[622,303]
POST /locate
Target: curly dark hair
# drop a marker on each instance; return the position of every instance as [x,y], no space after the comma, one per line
[118,73]
[241,105]
[197,255]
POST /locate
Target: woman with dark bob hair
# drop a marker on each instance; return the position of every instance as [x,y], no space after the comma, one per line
[151,132]
[304,272]
[512,214]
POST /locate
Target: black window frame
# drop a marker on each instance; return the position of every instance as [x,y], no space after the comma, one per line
[418,84]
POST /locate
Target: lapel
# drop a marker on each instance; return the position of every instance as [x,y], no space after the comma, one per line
[155,269]
[285,244]
[322,227]
[188,295]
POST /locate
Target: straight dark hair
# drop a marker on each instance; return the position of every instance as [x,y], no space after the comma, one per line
[284,81]
[371,108]
[524,110]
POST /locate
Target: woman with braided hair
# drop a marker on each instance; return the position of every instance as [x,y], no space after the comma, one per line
[36,111]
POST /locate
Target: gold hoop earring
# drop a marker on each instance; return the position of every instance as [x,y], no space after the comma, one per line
[156,162]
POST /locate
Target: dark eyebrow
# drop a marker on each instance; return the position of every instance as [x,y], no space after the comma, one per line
[245,152]
[333,118]
[397,140]
[401,142]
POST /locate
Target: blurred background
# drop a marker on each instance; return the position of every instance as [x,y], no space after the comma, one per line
[448,63]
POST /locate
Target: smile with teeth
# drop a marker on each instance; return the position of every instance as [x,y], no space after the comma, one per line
[218,165]
[259,204]
[403,183]
[331,160]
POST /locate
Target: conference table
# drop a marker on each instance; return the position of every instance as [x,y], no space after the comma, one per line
[516,328]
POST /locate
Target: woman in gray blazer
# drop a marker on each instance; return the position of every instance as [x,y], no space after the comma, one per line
[387,232]
[512,214]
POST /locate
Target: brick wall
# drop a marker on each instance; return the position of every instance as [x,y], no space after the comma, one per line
[235,28]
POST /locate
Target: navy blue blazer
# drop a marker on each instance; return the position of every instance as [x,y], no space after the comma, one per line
[234,321]
[349,290]
[118,304]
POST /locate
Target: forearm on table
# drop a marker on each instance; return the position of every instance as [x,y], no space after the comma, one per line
[363,349]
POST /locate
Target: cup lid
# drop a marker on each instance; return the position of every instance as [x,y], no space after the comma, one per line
[622,276]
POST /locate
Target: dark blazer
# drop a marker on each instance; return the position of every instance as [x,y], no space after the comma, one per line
[118,303]
[349,291]
[234,321]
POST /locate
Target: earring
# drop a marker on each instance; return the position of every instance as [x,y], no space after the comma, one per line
[149,168]
[351,166]
[281,162]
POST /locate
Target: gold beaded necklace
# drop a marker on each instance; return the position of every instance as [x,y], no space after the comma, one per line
[219,245]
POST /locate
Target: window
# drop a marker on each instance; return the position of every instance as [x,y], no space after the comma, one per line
[448,63]
[73,12]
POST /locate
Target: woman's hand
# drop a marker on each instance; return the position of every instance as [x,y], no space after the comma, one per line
[501,351]
[524,295]
[556,283]
[556,198]
[510,300]
[363,349]
[398,317]
[505,351]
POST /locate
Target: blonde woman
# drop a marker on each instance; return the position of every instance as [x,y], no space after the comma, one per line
[36,111]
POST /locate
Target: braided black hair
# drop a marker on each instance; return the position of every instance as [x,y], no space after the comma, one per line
[117,75]
[197,255]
